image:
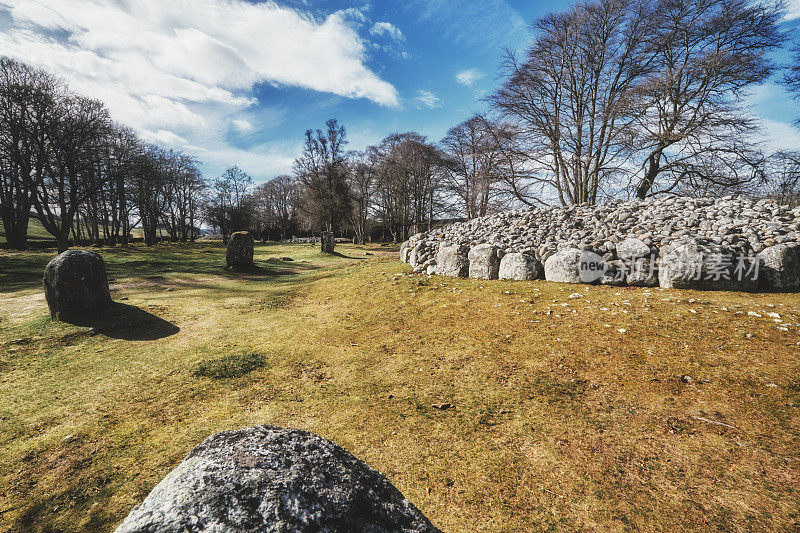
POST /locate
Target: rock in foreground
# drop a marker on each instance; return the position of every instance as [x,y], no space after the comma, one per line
[240,251]
[76,285]
[272,479]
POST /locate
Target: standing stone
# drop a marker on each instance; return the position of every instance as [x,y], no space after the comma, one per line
[780,267]
[484,262]
[76,285]
[452,261]
[520,267]
[272,479]
[240,251]
[327,242]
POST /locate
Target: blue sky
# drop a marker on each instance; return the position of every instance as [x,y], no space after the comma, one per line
[236,82]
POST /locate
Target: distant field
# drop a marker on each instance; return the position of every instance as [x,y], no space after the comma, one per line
[566,412]
[35,232]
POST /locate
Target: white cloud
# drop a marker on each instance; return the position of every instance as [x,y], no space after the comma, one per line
[242,125]
[389,29]
[792,10]
[181,72]
[152,61]
[777,136]
[426,99]
[469,76]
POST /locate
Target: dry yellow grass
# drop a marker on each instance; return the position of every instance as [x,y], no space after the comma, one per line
[559,420]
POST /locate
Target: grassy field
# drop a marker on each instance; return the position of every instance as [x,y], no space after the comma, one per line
[38,235]
[36,232]
[616,409]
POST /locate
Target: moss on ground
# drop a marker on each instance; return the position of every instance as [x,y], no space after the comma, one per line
[558,419]
[230,366]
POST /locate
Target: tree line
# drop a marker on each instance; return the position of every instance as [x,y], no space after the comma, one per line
[611,98]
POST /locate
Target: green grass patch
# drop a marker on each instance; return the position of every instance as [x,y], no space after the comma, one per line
[231,366]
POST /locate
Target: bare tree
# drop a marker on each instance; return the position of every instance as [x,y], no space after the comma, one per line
[231,204]
[275,207]
[362,168]
[76,131]
[408,183]
[321,171]
[709,53]
[569,100]
[474,158]
[783,178]
[27,100]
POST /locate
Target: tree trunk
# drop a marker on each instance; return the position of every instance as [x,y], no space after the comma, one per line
[63,242]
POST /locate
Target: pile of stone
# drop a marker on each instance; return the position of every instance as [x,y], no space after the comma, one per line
[266,478]
[731,243]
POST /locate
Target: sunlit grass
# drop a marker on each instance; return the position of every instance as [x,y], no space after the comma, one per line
[557,419]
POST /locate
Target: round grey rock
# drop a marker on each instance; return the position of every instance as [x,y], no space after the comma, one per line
[632,249]
[780,267]
[519,266]
[272,479]
[563,266]
[452,261]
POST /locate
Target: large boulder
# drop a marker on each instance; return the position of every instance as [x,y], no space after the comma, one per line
[240,251]
[693,264]
[484,262]
[452,261]
[780,267]
[76,285]
[572,265]
[519,266]
[327,242]
[272,479]
[641,272]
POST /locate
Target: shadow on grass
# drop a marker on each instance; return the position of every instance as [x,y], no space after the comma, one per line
[271,269]
[339,254]
[23,270]
[128,322]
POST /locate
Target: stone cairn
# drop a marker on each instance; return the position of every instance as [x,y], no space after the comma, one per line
[328,242]
[272,479]
[76,285]
[240,251]
[731,243]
